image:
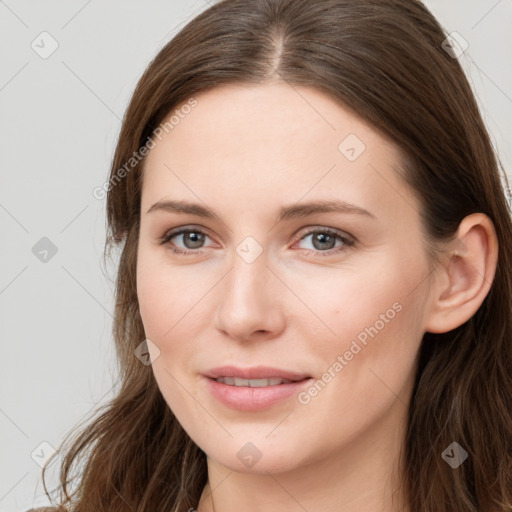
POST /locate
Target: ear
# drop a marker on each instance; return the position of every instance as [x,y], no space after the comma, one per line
[465,277]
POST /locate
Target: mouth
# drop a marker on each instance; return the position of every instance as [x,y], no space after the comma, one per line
[254,389]
[235,376]
[253,383]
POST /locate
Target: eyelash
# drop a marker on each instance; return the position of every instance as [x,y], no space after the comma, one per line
[348,242]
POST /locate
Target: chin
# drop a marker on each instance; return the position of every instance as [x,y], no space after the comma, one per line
[259,456]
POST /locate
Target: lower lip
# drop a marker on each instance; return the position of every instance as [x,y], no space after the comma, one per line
[244,398]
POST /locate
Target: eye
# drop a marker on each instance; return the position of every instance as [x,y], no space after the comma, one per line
[324,240]
[194,241]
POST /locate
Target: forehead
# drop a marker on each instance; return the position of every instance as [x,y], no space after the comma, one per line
[269,143]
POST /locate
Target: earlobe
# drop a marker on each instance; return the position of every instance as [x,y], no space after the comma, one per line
[465,276]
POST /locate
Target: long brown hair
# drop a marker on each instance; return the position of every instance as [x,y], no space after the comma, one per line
[385,60]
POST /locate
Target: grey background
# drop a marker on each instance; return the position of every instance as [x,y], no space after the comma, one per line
[59,120]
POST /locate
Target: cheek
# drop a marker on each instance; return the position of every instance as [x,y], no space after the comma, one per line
[368,327]
[166,303]
[153,301]
[155,297]
[172,304]
[342,302]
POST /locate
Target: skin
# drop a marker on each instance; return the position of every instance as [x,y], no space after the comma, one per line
[245,151]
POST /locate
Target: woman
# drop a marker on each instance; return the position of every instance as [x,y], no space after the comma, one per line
[262,369]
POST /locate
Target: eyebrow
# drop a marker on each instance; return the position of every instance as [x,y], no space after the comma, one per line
[286,212]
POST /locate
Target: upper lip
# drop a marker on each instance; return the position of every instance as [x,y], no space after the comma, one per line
[255,372]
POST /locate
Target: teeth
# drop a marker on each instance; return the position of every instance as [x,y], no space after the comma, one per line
[253,383]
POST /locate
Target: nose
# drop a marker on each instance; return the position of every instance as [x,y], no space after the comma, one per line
[249,301]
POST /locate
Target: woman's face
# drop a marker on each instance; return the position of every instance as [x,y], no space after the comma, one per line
[332,300]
